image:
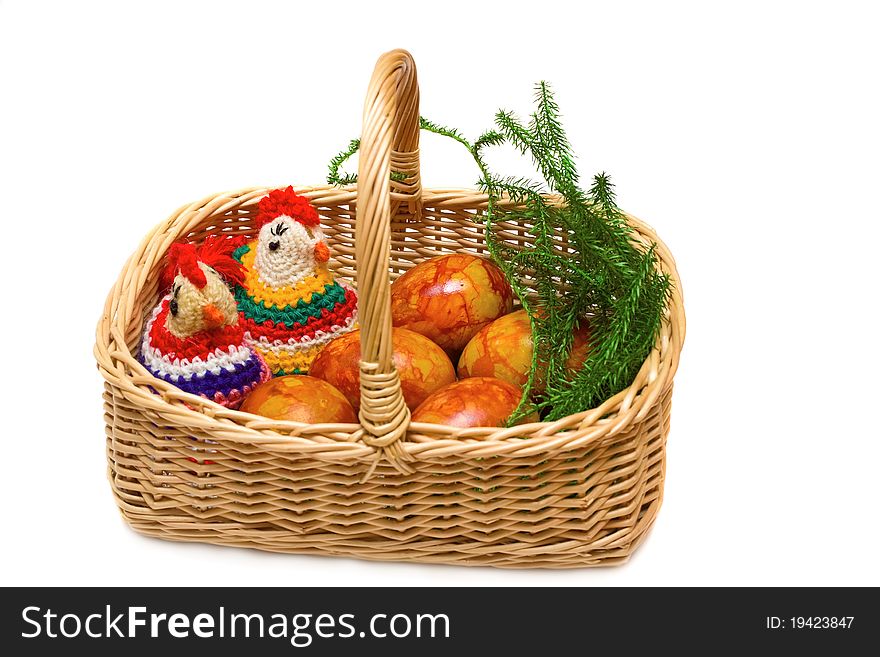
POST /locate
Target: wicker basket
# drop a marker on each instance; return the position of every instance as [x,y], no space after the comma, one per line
[581,491]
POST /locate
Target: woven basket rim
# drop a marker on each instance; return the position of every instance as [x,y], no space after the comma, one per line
[120,368]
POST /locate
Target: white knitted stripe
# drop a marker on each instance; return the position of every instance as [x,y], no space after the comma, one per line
[294,344]
[218,360]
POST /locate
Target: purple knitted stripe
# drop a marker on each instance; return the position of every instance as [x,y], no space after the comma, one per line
[245,374]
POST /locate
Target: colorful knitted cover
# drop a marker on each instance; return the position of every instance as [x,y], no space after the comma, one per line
[289,303]
[212,364]
[194,338]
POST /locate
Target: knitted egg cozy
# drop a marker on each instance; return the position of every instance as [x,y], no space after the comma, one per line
[289,324]
[215,365]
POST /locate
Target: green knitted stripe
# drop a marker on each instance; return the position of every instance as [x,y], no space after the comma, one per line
[295,371]
[333,295]
[238,254]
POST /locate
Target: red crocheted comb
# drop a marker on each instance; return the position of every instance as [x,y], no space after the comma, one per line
[216,252]
[286,202]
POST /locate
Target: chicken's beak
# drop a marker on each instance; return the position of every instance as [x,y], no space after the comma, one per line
[322,253]
[212,316]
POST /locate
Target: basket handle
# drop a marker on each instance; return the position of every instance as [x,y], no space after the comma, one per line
[389,142]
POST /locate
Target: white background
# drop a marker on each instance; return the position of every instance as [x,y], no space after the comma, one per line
[747,136]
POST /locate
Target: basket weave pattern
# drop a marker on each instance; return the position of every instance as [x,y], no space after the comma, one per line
[577,492]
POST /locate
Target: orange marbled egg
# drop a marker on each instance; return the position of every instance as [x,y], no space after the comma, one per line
[476,402]
[299,398]
[449,298]
[503,349]
[422,365]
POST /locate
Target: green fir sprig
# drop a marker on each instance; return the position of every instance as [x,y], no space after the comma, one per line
[334,177]
[582,262]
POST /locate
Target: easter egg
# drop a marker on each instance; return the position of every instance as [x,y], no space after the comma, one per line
[503,349]
[449,298]
[299,398]
[422,365]
[476,402]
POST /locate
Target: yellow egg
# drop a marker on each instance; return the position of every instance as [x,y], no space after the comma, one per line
[422,365]
[299,398]
[449,298]
[503,350]
[476,402]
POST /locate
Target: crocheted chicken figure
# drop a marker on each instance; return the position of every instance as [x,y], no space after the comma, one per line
[194,339]
[290,304]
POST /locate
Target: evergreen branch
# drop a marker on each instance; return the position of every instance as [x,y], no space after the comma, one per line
[488,138]
[333,176]
[452,133]
[515,134]
[518,190]
[336,178]
[581,263]
[548,124]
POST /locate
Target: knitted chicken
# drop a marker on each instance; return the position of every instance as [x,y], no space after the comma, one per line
[290,304]
[193,338]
